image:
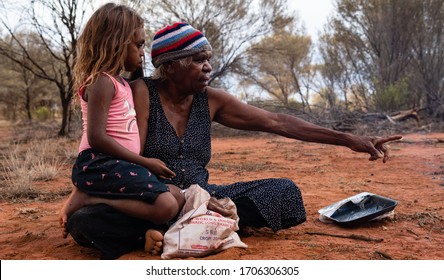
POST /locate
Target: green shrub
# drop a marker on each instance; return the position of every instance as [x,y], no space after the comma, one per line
[394,97]
[43,113]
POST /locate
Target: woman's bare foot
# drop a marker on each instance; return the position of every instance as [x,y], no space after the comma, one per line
[154,241]
[76,200]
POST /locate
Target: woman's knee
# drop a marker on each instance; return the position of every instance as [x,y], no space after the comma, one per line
[289,184]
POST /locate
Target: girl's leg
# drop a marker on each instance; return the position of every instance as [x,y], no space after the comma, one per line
[108,230]
[154,237]
[75,201]
[164,208]
[178,195]
[129,188]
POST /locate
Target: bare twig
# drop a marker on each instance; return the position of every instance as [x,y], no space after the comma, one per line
[351,236]
[412,232]
[385,183]
[384,255]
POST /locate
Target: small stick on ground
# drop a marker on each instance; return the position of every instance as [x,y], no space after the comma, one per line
[384,255]
[412,232]
[351,236]
[385,183]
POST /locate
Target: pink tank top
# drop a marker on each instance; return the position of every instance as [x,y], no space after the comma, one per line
[122,125]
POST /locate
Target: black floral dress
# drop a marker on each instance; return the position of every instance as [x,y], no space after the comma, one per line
[277,201]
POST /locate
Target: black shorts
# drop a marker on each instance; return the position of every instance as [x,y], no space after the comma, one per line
[102,175]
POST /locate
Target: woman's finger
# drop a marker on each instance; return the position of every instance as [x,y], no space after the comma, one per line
[385,152]
[383,140]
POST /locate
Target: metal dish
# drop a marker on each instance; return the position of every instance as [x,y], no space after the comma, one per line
[355,213]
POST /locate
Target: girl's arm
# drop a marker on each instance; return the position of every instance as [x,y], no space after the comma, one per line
[99,96]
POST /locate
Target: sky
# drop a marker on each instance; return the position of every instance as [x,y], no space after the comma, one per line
[313,13]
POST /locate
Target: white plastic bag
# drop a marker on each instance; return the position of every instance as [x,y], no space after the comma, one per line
[200,231]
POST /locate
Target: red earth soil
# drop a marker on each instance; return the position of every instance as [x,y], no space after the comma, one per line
[414,176]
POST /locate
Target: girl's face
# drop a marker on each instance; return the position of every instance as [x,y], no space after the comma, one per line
[135,51]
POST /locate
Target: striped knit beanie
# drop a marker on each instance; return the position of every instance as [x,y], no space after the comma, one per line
[177,41]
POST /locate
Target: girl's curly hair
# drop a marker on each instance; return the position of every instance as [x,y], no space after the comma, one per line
[102,46]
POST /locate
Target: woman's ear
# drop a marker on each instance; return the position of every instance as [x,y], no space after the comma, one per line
[170,68]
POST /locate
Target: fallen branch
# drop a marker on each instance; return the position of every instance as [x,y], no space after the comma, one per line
[404,115]
[384,255]
[351,236]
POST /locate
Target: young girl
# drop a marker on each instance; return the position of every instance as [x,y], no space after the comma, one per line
[109,168]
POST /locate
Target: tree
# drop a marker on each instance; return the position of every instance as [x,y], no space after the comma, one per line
[57,25]
[23,89]
[392,50]
[230,25]
[278,63]
[428,52]
[374,38]
[340,80]
[8,101]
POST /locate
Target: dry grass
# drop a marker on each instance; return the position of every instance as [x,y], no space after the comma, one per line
[32,155]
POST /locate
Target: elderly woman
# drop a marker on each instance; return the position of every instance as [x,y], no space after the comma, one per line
[175,108]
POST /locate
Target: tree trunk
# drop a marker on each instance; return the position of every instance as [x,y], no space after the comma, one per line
[65,116]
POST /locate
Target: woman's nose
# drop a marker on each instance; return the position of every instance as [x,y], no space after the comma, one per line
[207,66]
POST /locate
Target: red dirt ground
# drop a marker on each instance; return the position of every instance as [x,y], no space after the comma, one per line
[414,176]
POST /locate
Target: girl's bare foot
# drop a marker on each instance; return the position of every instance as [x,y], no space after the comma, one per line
[154,241]
[76,200]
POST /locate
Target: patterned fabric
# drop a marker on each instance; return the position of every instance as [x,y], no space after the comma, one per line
[101,175]
[279,201]
[177,41]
